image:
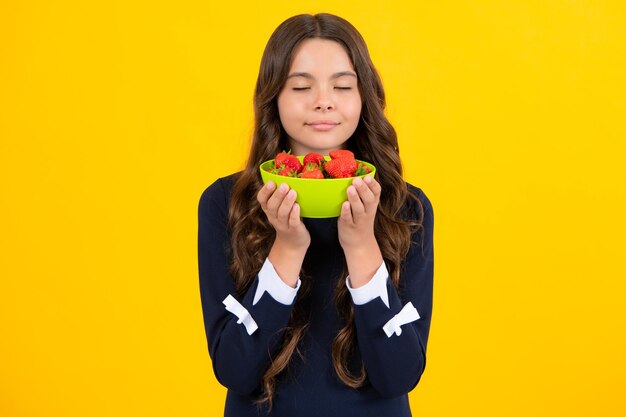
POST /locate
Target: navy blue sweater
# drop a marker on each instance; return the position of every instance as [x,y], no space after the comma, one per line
[394,364]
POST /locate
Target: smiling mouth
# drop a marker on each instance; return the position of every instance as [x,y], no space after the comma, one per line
[322,126]
[323,122]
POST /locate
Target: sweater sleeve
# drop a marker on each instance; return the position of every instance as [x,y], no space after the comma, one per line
[240,353]
[395,363]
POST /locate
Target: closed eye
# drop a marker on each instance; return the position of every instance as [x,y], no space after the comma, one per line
[343,88]
[300,88]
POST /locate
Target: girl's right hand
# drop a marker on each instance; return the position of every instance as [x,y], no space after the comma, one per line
[284,214]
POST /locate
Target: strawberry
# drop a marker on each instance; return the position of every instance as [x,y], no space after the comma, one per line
[341,167]
[362,170]
[288,160]
[341,153]
[287,172]
[281,158]
[311,167]
[313,158]
[314,173]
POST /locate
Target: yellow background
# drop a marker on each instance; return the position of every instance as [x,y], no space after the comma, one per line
[115,116]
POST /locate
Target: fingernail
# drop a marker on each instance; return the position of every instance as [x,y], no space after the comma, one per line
[357,181]
[283,187]
[367,179]
[270,185]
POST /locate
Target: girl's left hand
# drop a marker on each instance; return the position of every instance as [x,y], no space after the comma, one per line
[356,222]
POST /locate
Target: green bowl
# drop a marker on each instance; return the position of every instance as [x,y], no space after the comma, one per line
[317,198]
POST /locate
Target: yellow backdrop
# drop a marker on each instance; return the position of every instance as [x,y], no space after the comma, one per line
[115,116]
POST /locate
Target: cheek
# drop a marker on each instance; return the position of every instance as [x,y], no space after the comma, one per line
[288,108]
[354,110]
[280,102]
[283,112]
[289,115]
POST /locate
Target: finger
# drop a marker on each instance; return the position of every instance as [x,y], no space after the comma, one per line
[294,216]
[346,215]
[374,186]
[367,196]
[264,194]
[356,205]
[277,198]
[285,207]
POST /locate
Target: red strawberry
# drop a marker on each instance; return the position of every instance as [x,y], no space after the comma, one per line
[311,167]
[313,158]
[341,153]
[362,170]
[314,173]
[280,158]
[341,167]
[287,172]
[285,159]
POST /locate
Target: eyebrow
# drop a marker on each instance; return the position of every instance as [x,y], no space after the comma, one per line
[309,76]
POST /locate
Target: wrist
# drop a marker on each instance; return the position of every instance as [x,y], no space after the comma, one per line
[287,261]
[363,261]
[289,247]
[362,245]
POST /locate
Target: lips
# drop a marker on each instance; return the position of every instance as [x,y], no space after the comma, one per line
[322,125]
[322,122]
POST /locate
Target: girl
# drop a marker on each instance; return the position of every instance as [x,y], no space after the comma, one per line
[317,317]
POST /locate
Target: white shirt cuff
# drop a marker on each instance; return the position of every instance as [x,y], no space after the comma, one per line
[270,281]
[376,287]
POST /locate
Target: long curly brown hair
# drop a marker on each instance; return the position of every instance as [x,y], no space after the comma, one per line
[374,140]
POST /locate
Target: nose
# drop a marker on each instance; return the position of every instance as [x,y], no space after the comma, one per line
[324,101]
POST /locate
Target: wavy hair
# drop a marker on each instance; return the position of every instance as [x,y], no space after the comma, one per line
[374,140]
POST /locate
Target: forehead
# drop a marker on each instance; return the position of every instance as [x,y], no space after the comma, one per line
[320,57]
